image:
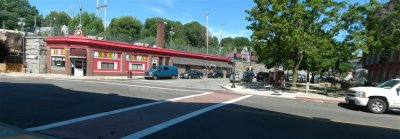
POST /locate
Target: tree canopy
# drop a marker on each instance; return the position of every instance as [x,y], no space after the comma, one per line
[125,26]
[55,18]
[11,10]
[285,32]
[91,24]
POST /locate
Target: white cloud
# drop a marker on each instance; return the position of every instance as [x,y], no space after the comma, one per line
[156,10]
[168,3]
[229,33]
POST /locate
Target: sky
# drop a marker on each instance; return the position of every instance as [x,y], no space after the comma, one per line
[227,14]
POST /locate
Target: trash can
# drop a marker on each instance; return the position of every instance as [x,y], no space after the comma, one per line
[129,74]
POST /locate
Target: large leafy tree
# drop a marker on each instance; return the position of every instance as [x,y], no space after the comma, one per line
[228,43]
[91,24]
[55,18]
[285,31]
[125,26]
[240,42]
[195,33]
[11,10]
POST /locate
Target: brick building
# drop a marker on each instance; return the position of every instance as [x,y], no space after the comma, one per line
[78,55]
[380,70]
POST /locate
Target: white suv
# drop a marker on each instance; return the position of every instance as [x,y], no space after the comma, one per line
[377,99]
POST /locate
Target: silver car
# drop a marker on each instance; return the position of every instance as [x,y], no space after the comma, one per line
[238,77]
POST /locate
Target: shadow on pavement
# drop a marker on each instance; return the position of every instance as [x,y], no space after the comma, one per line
[364,109]
[28,105]
[241,122]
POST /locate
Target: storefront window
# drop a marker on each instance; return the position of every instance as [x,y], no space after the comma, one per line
[137,67]
[106,65]
[57,61]
[167,61]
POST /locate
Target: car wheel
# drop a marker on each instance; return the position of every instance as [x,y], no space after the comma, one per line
[155,77]
[377,105]
[173,77]
[201,77]
[190,77]
[208,76]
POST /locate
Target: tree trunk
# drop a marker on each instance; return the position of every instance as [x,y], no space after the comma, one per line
[308,76]
[312,78]
[296,67]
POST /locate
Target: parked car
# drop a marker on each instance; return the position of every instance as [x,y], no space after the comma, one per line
[191,74]
[248,76]
[216,74]
[157,72]
[377,99]
[238,77]
[228,75]
[262,76]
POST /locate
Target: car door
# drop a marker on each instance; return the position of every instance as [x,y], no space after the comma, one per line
[396,96]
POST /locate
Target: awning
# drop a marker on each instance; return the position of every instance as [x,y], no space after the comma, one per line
[198,62]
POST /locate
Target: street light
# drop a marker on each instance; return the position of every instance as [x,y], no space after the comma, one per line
[234,69]
[21,23]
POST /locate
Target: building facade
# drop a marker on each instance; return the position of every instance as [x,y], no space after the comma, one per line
[78,55]
[381,70]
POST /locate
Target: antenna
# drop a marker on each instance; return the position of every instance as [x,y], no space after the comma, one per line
[105,12]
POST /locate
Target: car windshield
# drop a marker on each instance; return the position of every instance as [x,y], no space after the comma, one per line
[389,84]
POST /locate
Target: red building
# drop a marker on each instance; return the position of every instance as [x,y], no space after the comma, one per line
[78,55]
[381,70]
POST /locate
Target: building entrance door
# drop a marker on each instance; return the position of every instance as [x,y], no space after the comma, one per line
[78,67]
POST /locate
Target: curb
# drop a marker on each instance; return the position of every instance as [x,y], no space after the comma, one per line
[319,100]
[295,98]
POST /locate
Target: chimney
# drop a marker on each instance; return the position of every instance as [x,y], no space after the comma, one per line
[160,34]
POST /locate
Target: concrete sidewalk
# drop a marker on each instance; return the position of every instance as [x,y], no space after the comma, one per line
[271,92]
[63,76]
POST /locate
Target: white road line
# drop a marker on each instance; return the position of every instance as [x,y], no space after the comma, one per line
[71,121]
[154,87]
[166,124]
[164,84]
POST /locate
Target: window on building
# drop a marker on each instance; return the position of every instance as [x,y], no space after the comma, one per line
[57,61]
[107,65]
[137,67]
[160,61]
[167,61]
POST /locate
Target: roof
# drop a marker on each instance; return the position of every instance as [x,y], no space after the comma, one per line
[80,40]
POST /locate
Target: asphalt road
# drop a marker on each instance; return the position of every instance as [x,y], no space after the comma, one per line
[197,108]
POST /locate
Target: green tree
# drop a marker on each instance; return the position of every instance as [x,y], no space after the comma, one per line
[150,26]
[228,43]
[11,10]
[127,26]
[195,33]
[240,42]
[213,41]
[284,31]
[56,19]
[91,24]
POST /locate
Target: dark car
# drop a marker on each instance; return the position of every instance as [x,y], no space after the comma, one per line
[228,75]
[262,76]
[248,76]
[192,74]
[216,74]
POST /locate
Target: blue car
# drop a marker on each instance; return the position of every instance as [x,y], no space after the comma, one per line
[158,72]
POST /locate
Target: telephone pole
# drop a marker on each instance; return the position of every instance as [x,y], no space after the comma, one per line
[207,31]
[105,12]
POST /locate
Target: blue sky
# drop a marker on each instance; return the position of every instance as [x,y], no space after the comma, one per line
[230,13]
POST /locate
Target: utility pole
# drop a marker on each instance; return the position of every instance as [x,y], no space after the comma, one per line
[105,12]
[80,18]
[220,42]
[207,31]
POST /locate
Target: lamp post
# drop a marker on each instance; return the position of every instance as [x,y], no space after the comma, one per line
[21,22]
[234,69]
[171,33]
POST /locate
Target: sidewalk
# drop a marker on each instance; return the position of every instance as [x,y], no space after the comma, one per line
[63,76]
[270,92]
[10,132]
